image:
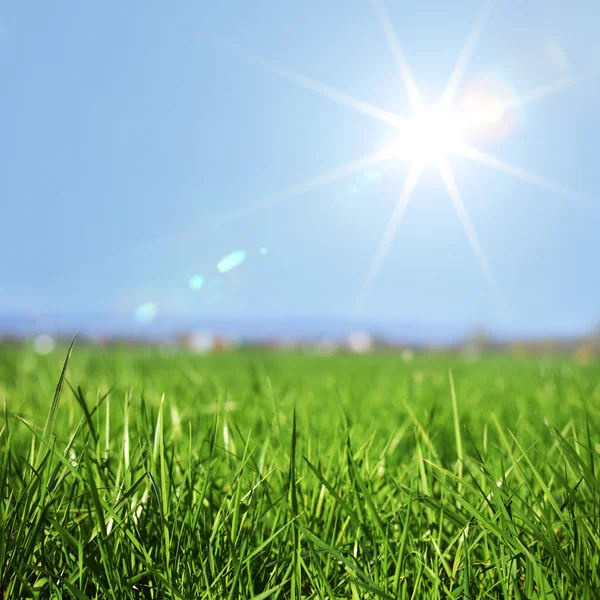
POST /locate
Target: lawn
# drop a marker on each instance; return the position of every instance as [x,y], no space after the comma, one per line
[149,474]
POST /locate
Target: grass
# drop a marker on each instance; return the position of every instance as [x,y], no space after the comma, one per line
[249,475]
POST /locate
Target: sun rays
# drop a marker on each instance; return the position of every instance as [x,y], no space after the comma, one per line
[313,183]
[389,234]
[465,56]
[313,85]
[435,137]
[410,86]
[522,174]
[289,193]
[471,234]
[430,136]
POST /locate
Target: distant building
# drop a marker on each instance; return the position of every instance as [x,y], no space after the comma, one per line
[204,342]
[586,352]
[407,354]
[286,344]
[478,342]
[324,347]
[359,342]
[519,350]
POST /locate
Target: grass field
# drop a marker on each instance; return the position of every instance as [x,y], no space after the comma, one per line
[250,475]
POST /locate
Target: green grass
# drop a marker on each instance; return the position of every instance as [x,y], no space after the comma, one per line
[249,475]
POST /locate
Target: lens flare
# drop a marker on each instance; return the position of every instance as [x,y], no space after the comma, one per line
[373,175]
[146,312]
[489,108]
[486,108]
[231,261]
[262,251]
[196,283]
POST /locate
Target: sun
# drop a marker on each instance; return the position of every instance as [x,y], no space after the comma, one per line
[429,137]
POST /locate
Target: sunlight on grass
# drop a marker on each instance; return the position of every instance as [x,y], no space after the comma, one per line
[344,477]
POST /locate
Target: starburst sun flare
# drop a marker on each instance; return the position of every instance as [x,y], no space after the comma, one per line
[428,138]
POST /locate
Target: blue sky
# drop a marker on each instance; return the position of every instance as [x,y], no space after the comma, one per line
[130,136]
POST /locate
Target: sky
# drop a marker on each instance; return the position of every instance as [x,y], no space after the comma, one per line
[201,160]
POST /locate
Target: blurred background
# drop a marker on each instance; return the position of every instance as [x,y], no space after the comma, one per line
[195,174]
